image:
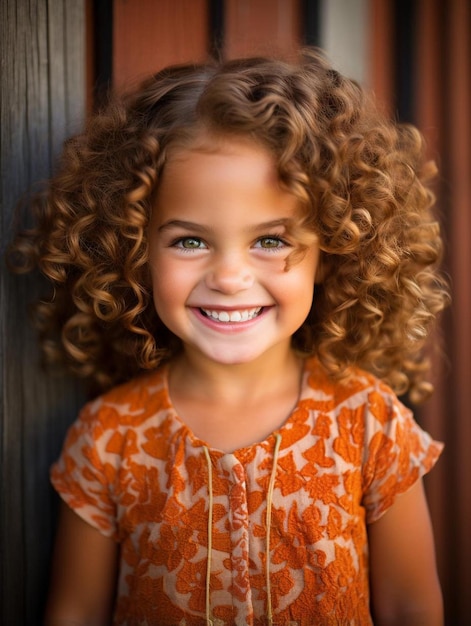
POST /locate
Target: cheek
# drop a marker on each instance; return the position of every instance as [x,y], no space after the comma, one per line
[161,282]
[298,293]
[171,285]
[166,304]
[295,296]
[300,278]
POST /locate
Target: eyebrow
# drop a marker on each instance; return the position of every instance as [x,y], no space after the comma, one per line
[195,227]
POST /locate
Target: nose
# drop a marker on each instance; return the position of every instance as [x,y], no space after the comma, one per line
[229,274]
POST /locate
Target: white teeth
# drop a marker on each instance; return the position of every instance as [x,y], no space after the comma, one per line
[233,316]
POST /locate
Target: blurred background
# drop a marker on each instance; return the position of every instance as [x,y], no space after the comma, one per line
[58,60]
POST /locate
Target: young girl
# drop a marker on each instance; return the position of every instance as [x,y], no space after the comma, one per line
[243,258]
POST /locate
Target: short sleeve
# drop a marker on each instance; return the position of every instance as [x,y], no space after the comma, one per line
[398,452]
[80,476]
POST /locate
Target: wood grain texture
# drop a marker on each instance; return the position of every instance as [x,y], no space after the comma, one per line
[457,91]
[441,102]
[149,35]
[262,27]
[42,101]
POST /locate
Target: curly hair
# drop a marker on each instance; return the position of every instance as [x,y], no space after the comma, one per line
[362,179]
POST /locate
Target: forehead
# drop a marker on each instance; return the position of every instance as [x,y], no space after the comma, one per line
[202,141]
[236,179]
[217,158]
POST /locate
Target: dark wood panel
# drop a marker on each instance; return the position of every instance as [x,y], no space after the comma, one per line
[456,92]
[42,95]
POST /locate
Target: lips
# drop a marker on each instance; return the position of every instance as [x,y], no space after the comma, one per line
[235,316]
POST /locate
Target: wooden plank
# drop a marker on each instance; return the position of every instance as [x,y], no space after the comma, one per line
[457,94]
[42,99]
[13,133]
[149,35]
[344,28]
[429,109]
[76,60]
[380,53]
[57,82]
[262,27]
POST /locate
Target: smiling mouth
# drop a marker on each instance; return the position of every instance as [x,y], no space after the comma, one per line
[243,315]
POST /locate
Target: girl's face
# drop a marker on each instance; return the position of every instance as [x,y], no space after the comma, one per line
[218,242]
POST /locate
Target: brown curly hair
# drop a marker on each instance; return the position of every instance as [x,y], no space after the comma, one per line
[363,181]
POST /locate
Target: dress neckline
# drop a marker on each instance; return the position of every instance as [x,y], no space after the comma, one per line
[244,451]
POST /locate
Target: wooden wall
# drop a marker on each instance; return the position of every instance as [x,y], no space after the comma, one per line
[421,69]
[149,35]
[42,101]
[443,71]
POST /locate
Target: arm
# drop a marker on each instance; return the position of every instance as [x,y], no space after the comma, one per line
[404,584]
[83,574]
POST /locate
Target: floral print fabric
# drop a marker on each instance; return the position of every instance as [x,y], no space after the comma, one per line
[206,539]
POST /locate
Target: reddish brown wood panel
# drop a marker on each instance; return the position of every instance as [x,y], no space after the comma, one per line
[381,52]
[429,105]
[148,35]
[443,91]
[429,112]
[262,27]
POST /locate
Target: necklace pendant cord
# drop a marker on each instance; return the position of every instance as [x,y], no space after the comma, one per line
[271,487]
[209,621]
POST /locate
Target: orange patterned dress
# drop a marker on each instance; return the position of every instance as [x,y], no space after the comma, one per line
[274,533]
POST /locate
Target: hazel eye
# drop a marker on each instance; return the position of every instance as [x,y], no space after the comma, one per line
[271,243]
[189,243]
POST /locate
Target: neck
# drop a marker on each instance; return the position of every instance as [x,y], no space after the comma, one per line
[236,382]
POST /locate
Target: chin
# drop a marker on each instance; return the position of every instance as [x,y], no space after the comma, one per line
[235,357]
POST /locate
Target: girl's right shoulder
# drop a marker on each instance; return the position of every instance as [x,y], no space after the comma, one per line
[129,403]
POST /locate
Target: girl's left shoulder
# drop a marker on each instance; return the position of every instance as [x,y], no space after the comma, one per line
[359,387]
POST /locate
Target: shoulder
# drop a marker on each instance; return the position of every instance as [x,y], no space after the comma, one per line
[359,389]
[369,427]
[129,404]
[108,427]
